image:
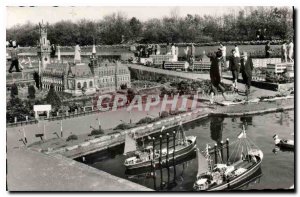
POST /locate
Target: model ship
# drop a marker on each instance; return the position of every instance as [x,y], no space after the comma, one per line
[283,143]
[221,176]
[148,156]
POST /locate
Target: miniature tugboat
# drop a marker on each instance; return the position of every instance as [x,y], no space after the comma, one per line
[184,145]
[283,143]
[231,175]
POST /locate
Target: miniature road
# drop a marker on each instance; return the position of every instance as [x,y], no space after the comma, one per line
[33,171]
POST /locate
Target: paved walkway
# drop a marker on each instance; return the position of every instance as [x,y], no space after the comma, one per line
[33,171]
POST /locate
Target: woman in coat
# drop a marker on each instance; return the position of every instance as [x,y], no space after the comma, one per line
[246,70]
[215,75]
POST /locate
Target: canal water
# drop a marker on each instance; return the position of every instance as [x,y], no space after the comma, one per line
[276,172]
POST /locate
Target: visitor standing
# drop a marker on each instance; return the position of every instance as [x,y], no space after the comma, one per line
[284,52]
[14,59]
[290,49]
[223,50]
[77,57]
[215,75]
[157,49]
[193,51]
[235,68]
[237,50]
[246,70]
[53,51]
[173,49]
[268,50]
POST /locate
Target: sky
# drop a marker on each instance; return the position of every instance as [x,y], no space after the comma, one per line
[21,15]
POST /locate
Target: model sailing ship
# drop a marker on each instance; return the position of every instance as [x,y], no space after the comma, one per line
[231,175]
[184,145]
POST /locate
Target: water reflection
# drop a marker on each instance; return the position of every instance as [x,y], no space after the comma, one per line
[171,177]
[210,131]
[216,129]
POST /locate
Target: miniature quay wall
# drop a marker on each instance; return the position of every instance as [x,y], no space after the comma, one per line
[98,144]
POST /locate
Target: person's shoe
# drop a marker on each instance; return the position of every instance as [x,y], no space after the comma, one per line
[10,71]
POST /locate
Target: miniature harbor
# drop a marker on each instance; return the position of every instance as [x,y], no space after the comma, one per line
[90,145]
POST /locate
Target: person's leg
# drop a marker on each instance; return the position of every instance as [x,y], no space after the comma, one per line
[233,77]
[222,90]
[11,67]
[17,66]
[213,92]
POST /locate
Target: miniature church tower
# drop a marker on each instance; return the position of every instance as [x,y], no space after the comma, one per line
[44,46]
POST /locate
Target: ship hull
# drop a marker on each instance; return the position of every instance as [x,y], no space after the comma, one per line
[180,154]
[239,180]
[178,160]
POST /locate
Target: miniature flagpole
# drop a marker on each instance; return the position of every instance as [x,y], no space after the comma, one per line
[61,128]
[45,131]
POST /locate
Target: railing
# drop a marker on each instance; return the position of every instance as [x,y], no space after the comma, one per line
[21,123]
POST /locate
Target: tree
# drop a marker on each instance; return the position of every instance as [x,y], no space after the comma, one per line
[52,98]
[14,91]
[135,27]
[31,92]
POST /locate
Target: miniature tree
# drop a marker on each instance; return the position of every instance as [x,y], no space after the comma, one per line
[36,78]
[31,92]
[52,98]
[14,90]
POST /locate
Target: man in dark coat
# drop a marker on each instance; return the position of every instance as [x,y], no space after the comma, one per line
[215,75]
[235,68]
[246,70]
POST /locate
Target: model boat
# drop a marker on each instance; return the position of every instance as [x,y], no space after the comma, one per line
[184,145]
[283,143]
[221,176]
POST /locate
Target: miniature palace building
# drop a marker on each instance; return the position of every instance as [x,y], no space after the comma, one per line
[81,77]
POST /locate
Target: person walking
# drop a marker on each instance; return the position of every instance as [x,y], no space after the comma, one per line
[14,59]
[235,68]
[77,57]
[246,70]
[215,75]
[284,52]
[290,49]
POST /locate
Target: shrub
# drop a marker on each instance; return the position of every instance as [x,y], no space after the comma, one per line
[31,92]
[14,90]
[123,126]
[72,137]
[97,132]
[145,120]
[164,114]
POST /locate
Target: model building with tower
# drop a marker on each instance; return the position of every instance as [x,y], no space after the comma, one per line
[79,77]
